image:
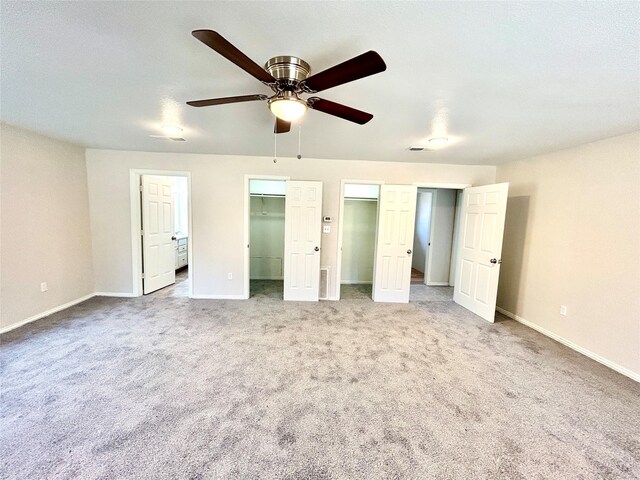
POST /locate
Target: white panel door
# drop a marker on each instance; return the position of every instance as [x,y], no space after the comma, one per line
[302,230]
[479,248]
[397,212]
[158,249]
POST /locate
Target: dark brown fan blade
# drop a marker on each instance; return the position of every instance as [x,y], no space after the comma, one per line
[361,66]
[281,126]
[217,42]
[222,101]
[339,110]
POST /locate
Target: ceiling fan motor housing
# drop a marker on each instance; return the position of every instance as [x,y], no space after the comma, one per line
[288,70]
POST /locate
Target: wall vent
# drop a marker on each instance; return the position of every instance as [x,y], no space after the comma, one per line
[416,149]
[324,283]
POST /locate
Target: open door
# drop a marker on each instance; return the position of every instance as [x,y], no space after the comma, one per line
[302,230]
[480,246]
[158,250]
[397,212]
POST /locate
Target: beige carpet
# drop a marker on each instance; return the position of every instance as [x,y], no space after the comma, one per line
[166,387]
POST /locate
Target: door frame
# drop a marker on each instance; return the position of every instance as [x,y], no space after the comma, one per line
[135,203]
[446,186]
[247,216]
[338,276]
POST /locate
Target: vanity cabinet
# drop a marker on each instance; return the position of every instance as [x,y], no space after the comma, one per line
[181,252]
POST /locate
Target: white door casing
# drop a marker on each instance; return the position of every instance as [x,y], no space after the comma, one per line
[302,232]
[394,244]
[158,249]
[480,247]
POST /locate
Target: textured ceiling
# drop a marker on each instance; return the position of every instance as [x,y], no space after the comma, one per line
[507,80]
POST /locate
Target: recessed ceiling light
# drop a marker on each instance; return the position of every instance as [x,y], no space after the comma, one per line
[436,141]
[167,137]
[171,130]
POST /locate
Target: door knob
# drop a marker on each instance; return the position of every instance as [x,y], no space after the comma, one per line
[173,237]
[317,249]
[409,252]
[495,260]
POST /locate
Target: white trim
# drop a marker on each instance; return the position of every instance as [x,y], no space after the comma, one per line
[46,313]
[218,297]
[338,281]
[438,284]
[247,211]
[136,245]
[571,345]
[116,294]
[356,282]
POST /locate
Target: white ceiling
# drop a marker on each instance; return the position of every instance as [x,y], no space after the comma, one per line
[510,80]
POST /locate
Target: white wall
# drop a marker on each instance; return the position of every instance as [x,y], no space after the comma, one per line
[45,225]
[181,185]
[358,240]
[266,237]
[572,237]
[422,230]
[217,193]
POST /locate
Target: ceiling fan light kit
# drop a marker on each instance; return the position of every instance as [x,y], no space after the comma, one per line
[288,77]
[287,106]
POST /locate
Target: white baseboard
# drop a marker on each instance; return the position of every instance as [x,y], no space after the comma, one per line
[438,284]
[218,297]
[355,282]
[116,294]
[46,313]
[573,346]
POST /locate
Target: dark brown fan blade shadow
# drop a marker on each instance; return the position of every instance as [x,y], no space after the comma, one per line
[368,63]
[281,126]
[221,45]
[339,110]
[223,100]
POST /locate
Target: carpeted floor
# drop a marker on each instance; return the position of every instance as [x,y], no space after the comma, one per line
[167,387]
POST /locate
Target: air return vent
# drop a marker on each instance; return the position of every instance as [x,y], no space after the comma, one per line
[324,283]
[416,149]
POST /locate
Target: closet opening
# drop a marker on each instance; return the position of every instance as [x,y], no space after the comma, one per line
[266,237]
[359,229]
[435,244]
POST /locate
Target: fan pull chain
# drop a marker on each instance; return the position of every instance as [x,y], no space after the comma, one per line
[299,139]
[275,147]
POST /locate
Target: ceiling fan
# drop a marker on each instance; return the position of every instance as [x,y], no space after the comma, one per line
[288,77]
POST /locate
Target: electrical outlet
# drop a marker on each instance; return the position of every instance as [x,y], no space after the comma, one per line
[44,287]
[229,276]
[326,229]
[563,310]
